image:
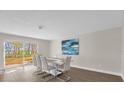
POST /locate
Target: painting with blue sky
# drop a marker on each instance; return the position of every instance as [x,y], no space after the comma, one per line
[70,47]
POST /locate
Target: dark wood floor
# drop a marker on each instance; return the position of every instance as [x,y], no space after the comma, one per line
[77,75]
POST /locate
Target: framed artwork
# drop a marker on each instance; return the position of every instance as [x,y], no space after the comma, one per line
[70,47]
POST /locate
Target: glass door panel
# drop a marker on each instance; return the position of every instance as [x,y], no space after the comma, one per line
[13,53]
[29,51]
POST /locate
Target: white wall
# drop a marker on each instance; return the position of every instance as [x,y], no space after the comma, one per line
[43,45]
[99,51]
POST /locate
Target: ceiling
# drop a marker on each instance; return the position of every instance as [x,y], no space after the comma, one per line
[58,24]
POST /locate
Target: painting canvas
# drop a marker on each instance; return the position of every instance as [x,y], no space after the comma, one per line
[70,47]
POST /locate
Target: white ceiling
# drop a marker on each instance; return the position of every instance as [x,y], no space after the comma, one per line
[58,24]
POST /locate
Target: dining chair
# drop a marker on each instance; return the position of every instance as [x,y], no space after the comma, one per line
[65,68]
[49,69]
[38,63]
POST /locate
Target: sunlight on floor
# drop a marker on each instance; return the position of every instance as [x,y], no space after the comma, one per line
[10,61]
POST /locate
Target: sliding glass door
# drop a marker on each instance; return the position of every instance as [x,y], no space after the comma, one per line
[13,53]
[18,53]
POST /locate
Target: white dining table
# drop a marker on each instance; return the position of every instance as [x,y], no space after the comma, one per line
[58,61]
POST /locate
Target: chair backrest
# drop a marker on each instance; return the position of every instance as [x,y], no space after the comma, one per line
[67,63]
[44,63]
[34,60]
[38,60]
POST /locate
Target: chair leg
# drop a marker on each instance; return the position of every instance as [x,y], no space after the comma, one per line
[67,78]
[40,73]
[47,77]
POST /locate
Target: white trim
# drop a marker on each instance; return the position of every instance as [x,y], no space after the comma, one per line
[98,70]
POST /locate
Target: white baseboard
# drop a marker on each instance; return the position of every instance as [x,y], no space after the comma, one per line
[98,70]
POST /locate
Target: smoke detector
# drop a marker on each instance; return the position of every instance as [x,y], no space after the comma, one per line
[40,27]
